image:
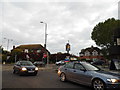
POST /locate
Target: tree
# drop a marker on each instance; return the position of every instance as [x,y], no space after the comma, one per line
[3,54]
[103,32]
[16,52]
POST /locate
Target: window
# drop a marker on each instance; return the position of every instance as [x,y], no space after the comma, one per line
[101,54]
[79,66]
[95,53]
[69,65]
[90,67]
[38,51]
[26,51]
[87,53]
[118,41]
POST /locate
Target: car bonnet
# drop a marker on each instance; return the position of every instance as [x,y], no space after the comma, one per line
[107,74]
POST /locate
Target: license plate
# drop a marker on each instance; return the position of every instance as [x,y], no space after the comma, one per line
[30,71]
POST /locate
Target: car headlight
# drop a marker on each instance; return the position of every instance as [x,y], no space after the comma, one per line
[36,68]
[24,69]
[59,71]
[113,80]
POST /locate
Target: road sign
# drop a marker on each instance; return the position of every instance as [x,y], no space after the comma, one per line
[45,55]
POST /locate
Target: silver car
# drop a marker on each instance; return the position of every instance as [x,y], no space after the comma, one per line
[87,74]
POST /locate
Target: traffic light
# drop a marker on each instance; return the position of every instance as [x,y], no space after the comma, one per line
[67,47]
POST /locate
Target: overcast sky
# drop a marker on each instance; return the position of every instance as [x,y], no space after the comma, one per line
[71,20]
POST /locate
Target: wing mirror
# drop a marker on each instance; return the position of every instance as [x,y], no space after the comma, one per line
[83,69]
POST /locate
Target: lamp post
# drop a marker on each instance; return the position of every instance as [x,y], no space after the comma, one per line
[45,33]
[8,40]
[46,40]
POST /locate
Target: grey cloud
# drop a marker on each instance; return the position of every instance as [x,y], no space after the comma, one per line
[72,21]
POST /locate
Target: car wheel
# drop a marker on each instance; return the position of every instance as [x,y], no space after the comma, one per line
[62,77]
[98,84]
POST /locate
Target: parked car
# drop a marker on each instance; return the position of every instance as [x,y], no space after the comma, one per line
[25,67]
[98,62]
[86,74]
[39,63]
[60,62]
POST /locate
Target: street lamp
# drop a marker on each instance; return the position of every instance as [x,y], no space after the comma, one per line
[45,33]
[45,39]
[8,40]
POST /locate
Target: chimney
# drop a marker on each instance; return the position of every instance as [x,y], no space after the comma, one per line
[13,47]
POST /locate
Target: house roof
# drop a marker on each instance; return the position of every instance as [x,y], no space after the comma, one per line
[31,46]
[90,49]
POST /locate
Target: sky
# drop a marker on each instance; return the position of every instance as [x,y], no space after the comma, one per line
[71,20]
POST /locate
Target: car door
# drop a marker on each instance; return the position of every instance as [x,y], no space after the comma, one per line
[17,66]
[68,68]
[80,74]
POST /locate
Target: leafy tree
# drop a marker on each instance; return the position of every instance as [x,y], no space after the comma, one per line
[103,32]
[4,58]
[15,52]
[3,54]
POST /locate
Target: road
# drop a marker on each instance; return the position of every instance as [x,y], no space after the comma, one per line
[44,79]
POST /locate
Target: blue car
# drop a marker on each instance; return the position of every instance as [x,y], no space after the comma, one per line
[86,74]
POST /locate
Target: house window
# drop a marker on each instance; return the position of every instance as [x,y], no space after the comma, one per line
[26,50]
[101,54]
[38,51]
[95,53]
[81,54]
[87,53]
[118,41]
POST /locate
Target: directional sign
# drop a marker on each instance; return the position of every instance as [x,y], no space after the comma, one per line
[45,55]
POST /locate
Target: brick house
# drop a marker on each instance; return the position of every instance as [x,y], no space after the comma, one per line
[32,52]
[91,53]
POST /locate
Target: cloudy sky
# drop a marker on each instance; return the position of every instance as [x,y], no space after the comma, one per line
[71,20]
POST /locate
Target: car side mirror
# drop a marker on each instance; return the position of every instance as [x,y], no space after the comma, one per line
[82,69]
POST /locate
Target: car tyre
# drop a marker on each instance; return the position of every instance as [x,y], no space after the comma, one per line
[98,84]
[62,77]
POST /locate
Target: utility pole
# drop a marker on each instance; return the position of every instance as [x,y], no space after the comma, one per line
[45,45]
[8,40]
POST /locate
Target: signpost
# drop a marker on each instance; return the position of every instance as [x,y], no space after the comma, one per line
[67,59]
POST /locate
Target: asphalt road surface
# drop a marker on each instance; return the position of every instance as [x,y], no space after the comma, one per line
[44,79]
